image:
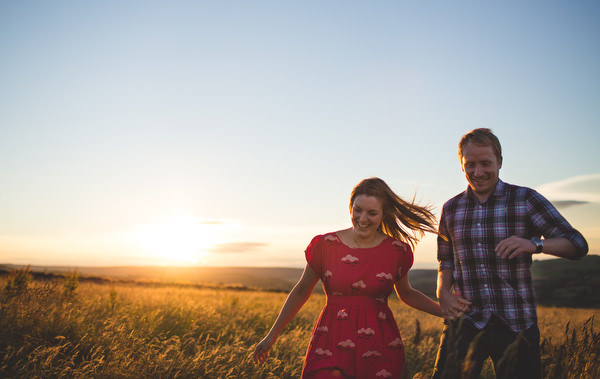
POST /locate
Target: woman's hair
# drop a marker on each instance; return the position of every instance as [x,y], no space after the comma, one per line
[480,137]
[401,220]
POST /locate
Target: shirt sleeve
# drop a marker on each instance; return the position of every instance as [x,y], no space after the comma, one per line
[314,255]
[445,252]
[548,222]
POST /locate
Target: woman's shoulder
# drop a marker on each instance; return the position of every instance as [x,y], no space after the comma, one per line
[331,237]
[399,246]
[402,253]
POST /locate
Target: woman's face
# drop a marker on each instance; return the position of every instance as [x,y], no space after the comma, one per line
[367,213]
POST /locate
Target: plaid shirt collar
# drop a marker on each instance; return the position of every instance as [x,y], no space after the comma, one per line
[499,191]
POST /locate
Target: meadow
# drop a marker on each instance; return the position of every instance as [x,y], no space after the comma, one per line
[70,328]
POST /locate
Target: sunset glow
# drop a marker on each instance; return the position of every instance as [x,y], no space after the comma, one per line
[131,130]
[181,240]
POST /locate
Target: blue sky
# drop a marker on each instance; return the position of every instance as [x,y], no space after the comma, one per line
[230,133]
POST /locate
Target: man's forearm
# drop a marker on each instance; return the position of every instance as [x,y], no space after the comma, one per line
[560,247]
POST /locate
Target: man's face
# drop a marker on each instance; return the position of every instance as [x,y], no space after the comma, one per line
[481,168]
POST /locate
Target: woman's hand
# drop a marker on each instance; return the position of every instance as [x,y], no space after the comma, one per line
[453,306]
[295,300]
[261,351]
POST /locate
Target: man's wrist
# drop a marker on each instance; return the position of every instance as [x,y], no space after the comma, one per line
[539,244]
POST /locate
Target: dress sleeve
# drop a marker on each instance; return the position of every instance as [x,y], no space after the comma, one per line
[314,255]
[407,261]
[406,257]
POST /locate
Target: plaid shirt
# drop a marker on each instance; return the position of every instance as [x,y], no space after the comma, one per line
[473,230]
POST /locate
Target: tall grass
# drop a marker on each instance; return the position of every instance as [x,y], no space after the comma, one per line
[59,329]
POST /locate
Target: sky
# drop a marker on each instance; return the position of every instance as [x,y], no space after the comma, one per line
[229,133]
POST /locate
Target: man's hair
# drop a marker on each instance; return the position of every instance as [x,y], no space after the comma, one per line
[480,137]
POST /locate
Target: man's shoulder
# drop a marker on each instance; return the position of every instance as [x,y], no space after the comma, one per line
[456,199]
[519,191]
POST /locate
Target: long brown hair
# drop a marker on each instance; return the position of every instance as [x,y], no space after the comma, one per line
[401,220]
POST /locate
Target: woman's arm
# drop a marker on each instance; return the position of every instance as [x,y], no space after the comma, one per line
[453,305]
[294,302]
[416,299]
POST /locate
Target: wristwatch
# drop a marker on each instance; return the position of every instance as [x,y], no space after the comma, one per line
[539,244]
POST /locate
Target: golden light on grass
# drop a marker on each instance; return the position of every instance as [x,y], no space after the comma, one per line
[131,330]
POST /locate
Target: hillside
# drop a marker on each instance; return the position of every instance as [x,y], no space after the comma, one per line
[558,282]
[564,283]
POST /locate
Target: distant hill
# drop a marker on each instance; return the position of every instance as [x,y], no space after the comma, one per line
[270,278]
[565,283]
[557,282]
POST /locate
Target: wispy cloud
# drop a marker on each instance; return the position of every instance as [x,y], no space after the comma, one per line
[577,190]
[567,203]
[237,247]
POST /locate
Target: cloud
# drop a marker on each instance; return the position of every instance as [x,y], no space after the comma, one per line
[322,329]
[562,204]
[384,276]
[237,247]
[383,373]
[349,259]
[365,332]
[342,314]
[323,353]
[573,191]
[371,354]
[347,344]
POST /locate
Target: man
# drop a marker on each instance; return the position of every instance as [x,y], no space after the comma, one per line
[487,236]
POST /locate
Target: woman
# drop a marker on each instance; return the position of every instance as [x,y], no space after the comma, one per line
[356,334]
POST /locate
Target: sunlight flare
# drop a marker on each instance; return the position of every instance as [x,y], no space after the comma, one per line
[181,240]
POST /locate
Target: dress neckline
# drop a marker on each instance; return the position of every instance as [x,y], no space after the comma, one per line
[361,248]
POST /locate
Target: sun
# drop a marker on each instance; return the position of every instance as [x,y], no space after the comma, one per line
[180,240]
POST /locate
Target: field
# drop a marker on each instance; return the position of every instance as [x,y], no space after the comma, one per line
[70,328]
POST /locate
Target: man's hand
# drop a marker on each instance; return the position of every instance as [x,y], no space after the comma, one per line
[514,246]
[453,306]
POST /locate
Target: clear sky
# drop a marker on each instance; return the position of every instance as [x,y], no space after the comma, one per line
[232,132]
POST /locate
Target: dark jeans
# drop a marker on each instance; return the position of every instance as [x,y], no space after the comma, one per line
[464,348]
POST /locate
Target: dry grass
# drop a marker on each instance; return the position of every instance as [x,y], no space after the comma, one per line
[50,329]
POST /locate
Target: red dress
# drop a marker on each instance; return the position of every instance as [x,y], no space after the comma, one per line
[356,331]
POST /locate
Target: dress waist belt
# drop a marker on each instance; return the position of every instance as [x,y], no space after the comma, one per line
[355,300]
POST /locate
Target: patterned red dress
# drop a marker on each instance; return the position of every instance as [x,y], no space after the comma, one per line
[356,331]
